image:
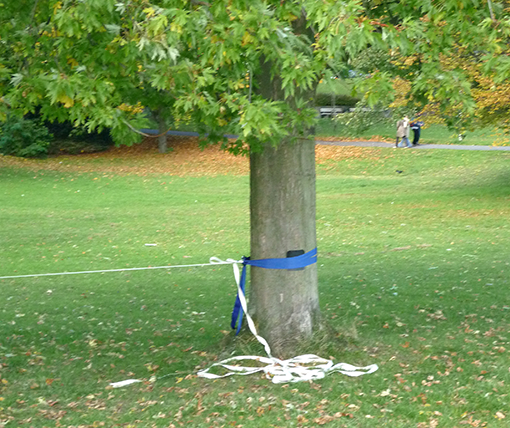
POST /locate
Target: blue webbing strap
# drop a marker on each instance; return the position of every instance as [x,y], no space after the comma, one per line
[285,263]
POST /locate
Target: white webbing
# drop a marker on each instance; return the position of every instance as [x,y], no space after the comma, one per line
[303,368]
[123,383]
[36,275]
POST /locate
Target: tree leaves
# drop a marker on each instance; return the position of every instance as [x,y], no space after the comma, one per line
[187,59]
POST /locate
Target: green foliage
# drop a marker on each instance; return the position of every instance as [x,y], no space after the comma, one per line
[328,99]
[189,60]
[334,90]
[31,137]
[363,117]
[24,138]
[201,62]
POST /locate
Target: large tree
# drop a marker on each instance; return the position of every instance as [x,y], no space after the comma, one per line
[248,67]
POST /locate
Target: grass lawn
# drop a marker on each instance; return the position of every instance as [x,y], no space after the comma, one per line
[431,134]
[336,86]
[336,91]
[413,271]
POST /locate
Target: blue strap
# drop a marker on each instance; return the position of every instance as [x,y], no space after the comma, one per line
[297,262]
[238,312]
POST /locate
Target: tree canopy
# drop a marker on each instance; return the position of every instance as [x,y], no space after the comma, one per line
[98,62]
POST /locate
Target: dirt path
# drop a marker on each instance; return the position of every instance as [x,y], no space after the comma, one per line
[419,147]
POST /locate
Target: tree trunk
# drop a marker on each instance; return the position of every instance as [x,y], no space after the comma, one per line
[285,303]
[162,129]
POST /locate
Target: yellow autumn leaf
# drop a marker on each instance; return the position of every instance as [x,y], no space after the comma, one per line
[72,62]
[150,12]
[175,28]
[247,38]
[58,5]
[66,100]
[500,415]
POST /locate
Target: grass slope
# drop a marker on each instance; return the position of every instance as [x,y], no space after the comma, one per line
[413,270]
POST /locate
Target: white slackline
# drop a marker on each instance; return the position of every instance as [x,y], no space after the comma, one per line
[303,368]
[213,261]
[298,369]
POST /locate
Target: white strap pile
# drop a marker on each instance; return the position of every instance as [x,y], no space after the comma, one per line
[303,368]
[298,369]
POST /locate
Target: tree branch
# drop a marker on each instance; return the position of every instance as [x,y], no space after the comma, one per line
[143,133]
[32,15]
[491,11]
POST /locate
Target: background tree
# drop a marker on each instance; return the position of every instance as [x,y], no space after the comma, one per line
[448,69]
[239,66]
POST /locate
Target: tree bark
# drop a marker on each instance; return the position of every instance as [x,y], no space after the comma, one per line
[285,303]
[162,128]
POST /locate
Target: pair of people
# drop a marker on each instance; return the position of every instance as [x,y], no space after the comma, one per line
[403,130]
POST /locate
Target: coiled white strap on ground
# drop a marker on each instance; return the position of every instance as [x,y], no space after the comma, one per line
[303,368]
[298,369]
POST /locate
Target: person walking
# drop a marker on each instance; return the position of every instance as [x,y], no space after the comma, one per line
[416,127]
[407,131]
[403,131]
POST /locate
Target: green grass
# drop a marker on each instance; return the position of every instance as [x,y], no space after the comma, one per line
[336,86]
[335,91]
[413,273]
[432,134]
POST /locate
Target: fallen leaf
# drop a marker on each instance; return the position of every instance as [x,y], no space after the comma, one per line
[500,415]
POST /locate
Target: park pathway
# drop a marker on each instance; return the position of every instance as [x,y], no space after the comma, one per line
[360,143]
[419,147]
